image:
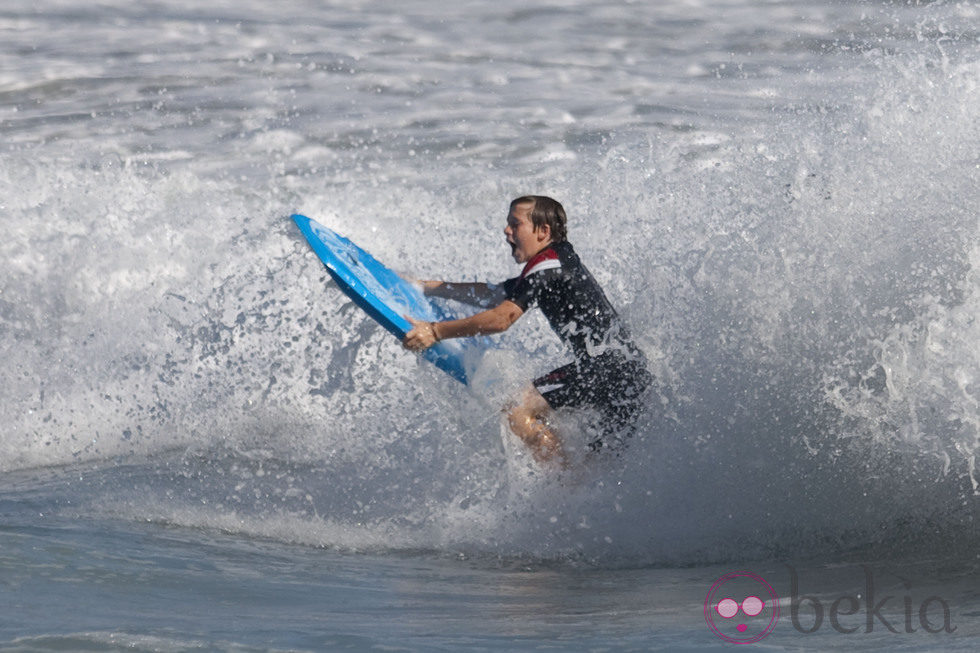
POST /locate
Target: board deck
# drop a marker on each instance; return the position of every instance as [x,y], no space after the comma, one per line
[385,296]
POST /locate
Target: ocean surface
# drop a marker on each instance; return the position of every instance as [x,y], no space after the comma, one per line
[205,446]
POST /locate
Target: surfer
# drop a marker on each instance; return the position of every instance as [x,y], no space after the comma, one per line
[608,374]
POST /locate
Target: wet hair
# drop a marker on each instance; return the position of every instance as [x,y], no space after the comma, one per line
[546,211]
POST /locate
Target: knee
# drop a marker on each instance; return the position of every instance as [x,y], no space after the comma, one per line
[526,415]
[520,419]
[525,424]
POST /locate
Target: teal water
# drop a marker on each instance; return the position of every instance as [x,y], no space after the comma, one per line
[86,585]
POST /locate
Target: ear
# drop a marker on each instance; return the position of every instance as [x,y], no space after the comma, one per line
[543,233]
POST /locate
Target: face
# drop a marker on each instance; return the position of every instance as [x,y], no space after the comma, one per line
[525,241]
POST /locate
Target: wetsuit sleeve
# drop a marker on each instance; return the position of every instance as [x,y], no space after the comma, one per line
[527,291]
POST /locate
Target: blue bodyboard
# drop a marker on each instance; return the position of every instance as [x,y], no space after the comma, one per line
[385,296]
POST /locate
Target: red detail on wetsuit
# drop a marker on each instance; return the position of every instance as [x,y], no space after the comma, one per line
[547,254]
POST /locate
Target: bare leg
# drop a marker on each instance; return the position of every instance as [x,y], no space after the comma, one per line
[527,421]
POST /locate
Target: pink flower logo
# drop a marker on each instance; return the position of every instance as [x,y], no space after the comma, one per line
[741,607]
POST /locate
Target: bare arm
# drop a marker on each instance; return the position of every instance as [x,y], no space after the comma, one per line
[483,295]
[425,334]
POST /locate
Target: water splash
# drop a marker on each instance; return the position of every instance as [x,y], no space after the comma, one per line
[803,280]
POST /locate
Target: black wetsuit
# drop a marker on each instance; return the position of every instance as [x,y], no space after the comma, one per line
[609,373]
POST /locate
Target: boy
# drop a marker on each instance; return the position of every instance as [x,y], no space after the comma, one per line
[608,374]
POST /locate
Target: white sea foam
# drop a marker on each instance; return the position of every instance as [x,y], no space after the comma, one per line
[787,219]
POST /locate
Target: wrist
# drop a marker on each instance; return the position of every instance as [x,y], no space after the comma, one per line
[435,331]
